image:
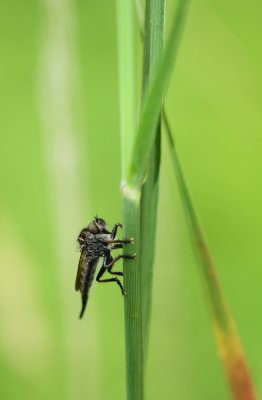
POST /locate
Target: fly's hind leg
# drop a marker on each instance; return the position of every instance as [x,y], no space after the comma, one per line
[110,261]
[101,273]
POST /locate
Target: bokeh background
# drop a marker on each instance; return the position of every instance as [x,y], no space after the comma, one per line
[60,165]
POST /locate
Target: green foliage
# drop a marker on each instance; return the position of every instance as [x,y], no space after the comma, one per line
[153,46]
[60,164]
[140,203]
[140,210]
[153,101]
[228,344]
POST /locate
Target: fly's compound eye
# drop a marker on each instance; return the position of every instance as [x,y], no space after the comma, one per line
[93,227]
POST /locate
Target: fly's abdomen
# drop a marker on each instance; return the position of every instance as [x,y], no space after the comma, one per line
[85,276]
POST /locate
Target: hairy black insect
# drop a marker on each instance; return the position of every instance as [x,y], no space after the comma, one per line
[96,241]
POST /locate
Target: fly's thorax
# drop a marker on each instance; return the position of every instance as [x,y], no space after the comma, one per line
[104,236]
[96,244]
[97,228]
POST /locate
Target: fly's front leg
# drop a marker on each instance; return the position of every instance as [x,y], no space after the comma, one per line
[114,230]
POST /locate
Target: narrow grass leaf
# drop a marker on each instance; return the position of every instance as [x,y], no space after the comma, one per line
[131,204]
[153,102]
[127,78]
[228,343]
[133,304]
[153,46]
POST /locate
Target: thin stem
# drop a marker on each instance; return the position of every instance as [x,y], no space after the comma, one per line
[153,101]
[131,202]
[153,46]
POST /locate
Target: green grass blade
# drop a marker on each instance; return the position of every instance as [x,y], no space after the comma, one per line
[153,38]
[228,343]
[131,207]
[145,137]
[152,104]
[133,305]
[147,134]
[153,46]
[126,69]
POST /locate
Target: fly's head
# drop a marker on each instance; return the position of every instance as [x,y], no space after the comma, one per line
[97,226]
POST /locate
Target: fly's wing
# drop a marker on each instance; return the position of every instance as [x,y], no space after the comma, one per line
[85,276]
[81,268]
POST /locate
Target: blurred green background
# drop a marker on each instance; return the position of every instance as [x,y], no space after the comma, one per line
[60,165]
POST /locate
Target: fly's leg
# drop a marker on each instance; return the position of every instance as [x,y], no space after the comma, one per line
[114,230]
[101,273]
[124,241]
[116,246]
[110,261]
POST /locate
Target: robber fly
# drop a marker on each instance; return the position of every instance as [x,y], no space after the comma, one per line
[96,241]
